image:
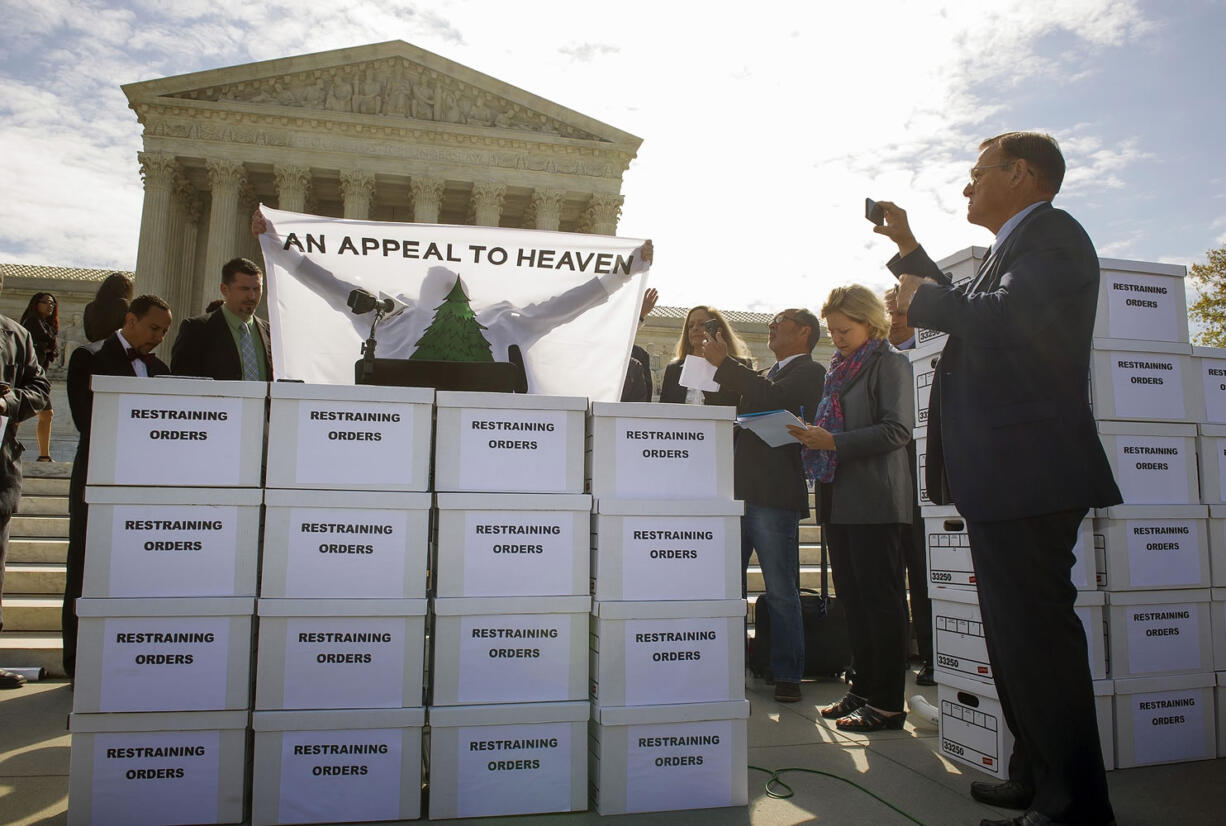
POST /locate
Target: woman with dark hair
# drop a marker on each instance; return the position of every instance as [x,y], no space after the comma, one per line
[42,319]
[104,315]
[692,342]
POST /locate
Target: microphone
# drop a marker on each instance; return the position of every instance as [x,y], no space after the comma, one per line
[362,302]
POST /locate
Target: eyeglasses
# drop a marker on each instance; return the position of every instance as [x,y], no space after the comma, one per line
[50,301]
[782,317]
[977,171]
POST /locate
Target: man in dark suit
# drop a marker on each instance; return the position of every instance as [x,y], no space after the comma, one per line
[125,352]
[1012,438]
[771,480]
[24,390]
[230,343]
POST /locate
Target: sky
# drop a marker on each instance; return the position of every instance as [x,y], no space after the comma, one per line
[764,125]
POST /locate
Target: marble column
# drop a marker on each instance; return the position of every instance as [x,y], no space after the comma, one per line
[357,191]
[485,207]
[600,217]
[153,252]
[547,206]
[225,178]
[293,183]
[184,213]
[427,199]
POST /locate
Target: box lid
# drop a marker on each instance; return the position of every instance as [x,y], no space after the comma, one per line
[1165,597]
[351,392]
[179,386]
[1218,594]
[1090,598]
[1145,428]
[122,495]
[341,607]
[1221,679]
[680,713]
[1209,352]
[1212,429]
[514,501]
[655,410]
[669,507]
[338,719]
[1172,682]
[1144,267]
[669,609]
[1104,688]
[157,721]
[927,356]
[509,401]
[492,606]
[1217,511]
[155,607]
[960,683]
[967,596]
[509,713]
[1132,345]
[376,499]
[1153,512]
[939,511]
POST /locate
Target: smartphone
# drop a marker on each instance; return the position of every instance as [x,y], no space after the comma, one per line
[874,212]
[712,327]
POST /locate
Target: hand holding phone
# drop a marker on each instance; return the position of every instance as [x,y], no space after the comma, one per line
[712,327]
[873,211]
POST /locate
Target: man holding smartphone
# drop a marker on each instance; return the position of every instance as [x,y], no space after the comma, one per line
[24,390]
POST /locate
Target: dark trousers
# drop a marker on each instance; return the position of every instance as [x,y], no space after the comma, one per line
[915,554]
[867,564]
[4,552]
[78,513]
[1037,648]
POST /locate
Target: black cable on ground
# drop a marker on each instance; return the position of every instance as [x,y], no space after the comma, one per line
[775,780]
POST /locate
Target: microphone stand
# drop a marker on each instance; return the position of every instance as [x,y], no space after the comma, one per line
[368,349]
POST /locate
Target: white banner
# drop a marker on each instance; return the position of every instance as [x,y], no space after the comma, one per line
[569,301]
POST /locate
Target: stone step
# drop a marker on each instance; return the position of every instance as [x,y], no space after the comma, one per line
[43,505]
[810,534]
[44,486]
[33,578]
[37,550]
[33,649]
[810,577]
[37,613]
[33,469]
[39,527]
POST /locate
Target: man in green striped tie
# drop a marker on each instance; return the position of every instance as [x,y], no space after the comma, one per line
[230,343]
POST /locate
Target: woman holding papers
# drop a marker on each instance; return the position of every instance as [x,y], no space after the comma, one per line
[856,454]
[693,340]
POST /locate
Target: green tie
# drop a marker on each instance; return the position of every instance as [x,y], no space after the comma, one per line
[246,352]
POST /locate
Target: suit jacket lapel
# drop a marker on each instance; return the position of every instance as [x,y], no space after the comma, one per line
[115,358]
[986,278]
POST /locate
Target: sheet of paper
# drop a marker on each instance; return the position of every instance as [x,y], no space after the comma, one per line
[698,373]
[771,426]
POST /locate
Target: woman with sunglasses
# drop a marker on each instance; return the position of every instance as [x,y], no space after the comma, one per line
[42,319]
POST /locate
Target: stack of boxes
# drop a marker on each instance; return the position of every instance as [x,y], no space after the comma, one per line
[508,711]
[162,690]
[668,712]
[1210,363]
[339,673]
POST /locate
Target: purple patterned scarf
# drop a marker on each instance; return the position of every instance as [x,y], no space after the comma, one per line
[821,464]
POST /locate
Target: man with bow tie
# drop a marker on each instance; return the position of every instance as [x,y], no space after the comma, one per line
[126,352]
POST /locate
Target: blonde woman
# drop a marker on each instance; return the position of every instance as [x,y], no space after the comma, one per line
[693,341]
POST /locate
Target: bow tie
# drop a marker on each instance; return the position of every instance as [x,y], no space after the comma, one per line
[134,354]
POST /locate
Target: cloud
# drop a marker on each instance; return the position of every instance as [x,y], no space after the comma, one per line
[586,51]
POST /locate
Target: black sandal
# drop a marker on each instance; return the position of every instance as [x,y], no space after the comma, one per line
[867,718]
[44,458]
[843,707]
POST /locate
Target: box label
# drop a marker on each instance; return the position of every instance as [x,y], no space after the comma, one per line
[144,779]
[1144,306]
[196,439]
[519,553]
[358,443]
[949,556]
[174,550]
[513,450]
[1213,376]
[974,736]
[514,658]
[340,776]
[662,456]
[959,642]
[339,552]
[1163,638]
[674,558]
[679,766]
[1169,726]
[677,661]
[1153,470]
[1164,552]
[345,662]
[1147,385]
[512,770]
[170,663]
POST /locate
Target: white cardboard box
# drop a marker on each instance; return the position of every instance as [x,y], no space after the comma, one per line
[509,443]
[1144,381]
[336,766]
[340,653]
[1210,364]
[1217,622]
[512,544]
[640,450]
[1221,714]
[1104,708]
[650,549]
[958,637]
[920,434]
[1141,300]
[1164,720]
[664,653]
[335,544]
[1217,545]
[923,372]
[157,769]
[1156,633]
[1155,546]
[349,437]
[168,654]
[960,267]
[515,759]
[1153,464]
[1211,453]
[181,432]
[171,542]
[510,650]
[660,758]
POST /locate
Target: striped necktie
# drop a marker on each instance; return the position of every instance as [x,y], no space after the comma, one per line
[774,371]
[246,353]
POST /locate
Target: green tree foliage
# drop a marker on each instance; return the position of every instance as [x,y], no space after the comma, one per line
[1209,309]
[455,333]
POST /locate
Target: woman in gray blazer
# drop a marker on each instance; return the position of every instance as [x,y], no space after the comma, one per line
[856,453]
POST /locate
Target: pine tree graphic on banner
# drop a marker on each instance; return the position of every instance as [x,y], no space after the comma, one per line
[455,333]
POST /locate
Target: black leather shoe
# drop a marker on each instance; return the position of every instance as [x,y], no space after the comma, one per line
[786,692]
[10,680]
[1007,795]
[925,676]
[1031,818]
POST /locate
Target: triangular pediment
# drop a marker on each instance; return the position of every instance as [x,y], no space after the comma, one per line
[393,82]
